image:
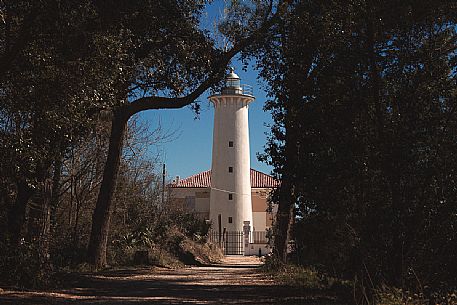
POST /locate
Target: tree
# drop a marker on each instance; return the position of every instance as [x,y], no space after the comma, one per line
[176,68]
[51,55]
[365,105]
[65,62]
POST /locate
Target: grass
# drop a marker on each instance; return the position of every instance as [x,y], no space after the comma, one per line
[302,276]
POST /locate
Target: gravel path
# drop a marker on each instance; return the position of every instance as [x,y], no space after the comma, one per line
[236,280]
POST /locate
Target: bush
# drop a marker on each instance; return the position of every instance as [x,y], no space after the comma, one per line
[67,253]
[20,267]
[295,275]
[172,241]
[395,296]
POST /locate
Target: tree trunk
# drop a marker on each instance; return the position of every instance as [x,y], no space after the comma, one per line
[287,197]
[96,253]
[284,218]
[17,213]
[287,192]
[55,192]
[74,233]
[286,209]
[44,237]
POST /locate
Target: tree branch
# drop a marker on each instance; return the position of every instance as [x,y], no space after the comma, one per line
[218,68]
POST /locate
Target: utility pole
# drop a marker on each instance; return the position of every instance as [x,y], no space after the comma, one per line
[163,184]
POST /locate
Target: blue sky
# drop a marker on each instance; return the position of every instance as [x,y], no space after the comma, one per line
[188,150]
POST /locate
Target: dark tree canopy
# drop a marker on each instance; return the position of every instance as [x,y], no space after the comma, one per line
[364,137]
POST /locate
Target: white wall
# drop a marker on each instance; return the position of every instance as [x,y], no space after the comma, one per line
[202,205]
[253,249]
[259,220]
[231,124]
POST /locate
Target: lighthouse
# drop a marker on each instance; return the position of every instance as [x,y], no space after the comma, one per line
[230,195]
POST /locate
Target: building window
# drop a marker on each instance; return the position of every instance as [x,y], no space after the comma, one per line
[230,196]
[230,143]
[230,169]
[230,219]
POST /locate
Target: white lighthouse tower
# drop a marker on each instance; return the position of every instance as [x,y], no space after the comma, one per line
[230,198]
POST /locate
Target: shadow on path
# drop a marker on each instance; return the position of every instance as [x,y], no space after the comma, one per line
[221,284]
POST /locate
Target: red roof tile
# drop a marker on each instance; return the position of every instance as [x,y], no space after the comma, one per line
[203,180]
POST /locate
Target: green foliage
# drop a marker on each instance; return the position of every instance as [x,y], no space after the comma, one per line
[302,276]
[364,137]
[444,297]
[66,252]
[168,244]
[68,68]
[394,296]
[161,230]
[21,266]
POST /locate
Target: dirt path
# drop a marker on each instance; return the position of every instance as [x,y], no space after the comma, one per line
[235,281]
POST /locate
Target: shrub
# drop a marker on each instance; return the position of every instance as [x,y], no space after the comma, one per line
[21,266]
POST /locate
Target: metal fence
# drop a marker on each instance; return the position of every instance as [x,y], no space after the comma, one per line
[231,242]
[234,243]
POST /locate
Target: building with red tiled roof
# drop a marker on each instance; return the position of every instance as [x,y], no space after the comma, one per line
[203,180]
[192,194]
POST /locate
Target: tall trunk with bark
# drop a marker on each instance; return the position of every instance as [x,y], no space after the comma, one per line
[102,214]
[44,234]
[55,193]
[387,159]
[287,193]
[284,218]
[17,213]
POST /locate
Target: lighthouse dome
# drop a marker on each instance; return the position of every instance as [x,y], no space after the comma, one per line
[232,74]
[232,86]
[232,81]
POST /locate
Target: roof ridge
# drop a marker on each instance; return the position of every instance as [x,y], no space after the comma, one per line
[208,170]
[258,179]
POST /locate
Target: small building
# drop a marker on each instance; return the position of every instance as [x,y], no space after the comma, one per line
[192,195]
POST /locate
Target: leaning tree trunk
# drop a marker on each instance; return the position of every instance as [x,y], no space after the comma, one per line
[96,253]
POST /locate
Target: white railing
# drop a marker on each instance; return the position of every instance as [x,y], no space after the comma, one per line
[242,89]
[247,89]
[256,237]
[259,237]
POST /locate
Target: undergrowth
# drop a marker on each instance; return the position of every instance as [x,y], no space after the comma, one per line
[352,292]
[302,276]
[396,296]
